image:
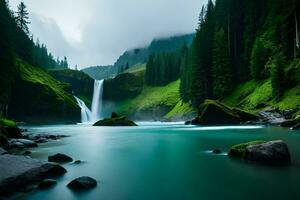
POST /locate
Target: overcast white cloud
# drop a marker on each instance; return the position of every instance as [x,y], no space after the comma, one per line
[96,32]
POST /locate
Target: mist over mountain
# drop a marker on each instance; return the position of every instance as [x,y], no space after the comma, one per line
[139,55]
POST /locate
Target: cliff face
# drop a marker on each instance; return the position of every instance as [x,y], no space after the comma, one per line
[37,97]
[81,84]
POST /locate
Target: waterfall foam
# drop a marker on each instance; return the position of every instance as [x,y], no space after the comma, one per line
[93,115]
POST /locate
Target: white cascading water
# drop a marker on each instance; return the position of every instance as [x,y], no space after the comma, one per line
[93,115]
[85,111]
[97,100]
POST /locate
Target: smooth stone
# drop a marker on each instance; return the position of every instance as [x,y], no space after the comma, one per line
[272,153]
[82,183]
[19,172]
[47,183]
[21,143]
[60,158]
[78,162]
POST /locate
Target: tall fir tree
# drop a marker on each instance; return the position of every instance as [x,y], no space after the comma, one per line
[22,18]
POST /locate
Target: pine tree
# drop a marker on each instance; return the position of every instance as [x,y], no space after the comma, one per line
[22,18]
[222,71]
[259,58]
[277,76]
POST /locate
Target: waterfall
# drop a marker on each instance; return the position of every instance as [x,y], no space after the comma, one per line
[93,115]
[85,111]
[97,100]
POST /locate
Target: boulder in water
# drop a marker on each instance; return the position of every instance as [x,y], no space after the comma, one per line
[21,143]
[19,172]
[215,113]
[273,152]
[82,183]
[60,158]
[115,121]
[47,183]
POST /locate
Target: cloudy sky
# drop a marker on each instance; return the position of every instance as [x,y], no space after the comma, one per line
[96,32]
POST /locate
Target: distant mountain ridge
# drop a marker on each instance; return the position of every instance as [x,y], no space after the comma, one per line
[139,55]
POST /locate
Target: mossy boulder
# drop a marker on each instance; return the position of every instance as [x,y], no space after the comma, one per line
[215,113]
[272,153]
[239,150]
[115,120]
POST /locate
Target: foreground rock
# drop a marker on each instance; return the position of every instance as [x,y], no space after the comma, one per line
[273,152]
[115,120]
[47,183]
[216,113]
[60,158]
[19,172]
[82,183]
[21,143]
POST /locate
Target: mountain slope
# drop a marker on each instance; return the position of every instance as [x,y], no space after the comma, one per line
[38,98]
[138,56]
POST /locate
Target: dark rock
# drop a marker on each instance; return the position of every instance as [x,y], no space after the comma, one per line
[11,132]
[21,143]
[2,151]
[3,141]
[273,152]
[60,158]
[78,162]
[296,127]
[290,123]
[216,113]
[19,172]
[114,115]
[120,121]
[188,123]
[41,140]
[47,183]
[82,183]
[27,153]
[217,151]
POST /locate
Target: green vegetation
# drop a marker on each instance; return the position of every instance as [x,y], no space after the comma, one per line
[7,123]
[41,77]
[180,111]
[239,151]
[151,98]
[81,84]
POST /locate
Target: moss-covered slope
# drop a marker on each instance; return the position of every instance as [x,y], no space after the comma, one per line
[38,97]
[81,84]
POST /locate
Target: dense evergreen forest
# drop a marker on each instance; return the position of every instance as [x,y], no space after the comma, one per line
[16,42]
[236,41]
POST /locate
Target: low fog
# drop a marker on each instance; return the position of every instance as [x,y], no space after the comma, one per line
[96,32]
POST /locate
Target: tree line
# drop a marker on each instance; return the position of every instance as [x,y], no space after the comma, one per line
[17,43]
[236,41]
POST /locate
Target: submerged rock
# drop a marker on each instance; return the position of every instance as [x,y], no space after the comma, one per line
[215,113]
[19,172]
[47,183]
[60,158]
[115,121]
[82,183]
[273,152]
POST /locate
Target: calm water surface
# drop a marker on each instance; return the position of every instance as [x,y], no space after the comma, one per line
[168,161]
